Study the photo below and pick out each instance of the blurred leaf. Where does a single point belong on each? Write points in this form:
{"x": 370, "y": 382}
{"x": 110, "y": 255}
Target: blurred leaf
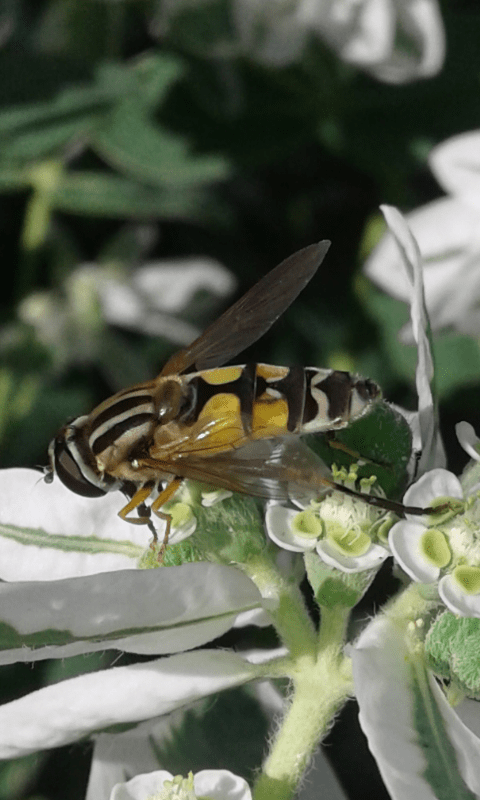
{"x": 131, "y": 142}
{"x": 107, "y": 195}
{"x": 203, "y": 29}
{"x": 13, "y": 178}
{"x": 229, "y": 734}
{"x": 35, "y": 130}
{"x": 457, "y": 362}
{"x": 129, "y": 244}
{"x": 42, "y": 141}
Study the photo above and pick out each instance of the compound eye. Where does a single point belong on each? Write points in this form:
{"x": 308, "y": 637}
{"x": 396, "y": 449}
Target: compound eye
{"x": 70, "y": 474}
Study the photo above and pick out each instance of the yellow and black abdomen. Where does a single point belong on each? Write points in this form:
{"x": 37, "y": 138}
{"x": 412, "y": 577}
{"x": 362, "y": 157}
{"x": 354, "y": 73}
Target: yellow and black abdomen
{"x": 233, "y": 405}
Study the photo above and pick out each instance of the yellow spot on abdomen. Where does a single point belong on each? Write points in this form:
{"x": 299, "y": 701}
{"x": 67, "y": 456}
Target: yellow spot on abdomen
{"x": 215, "y": 377}
{"x": 269, "y": 418}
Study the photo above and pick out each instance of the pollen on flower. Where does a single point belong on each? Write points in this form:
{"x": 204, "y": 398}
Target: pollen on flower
{"x": 462, "y": 541}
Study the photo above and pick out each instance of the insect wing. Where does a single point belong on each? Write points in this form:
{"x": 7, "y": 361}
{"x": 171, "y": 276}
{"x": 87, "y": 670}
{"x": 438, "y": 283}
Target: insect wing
{"x": 251, "y": 316}
{"x": 277, "y": 468}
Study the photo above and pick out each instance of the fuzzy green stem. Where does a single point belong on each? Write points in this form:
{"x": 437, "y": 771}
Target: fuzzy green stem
{"x": 320, "y": 686}
{"x": 290, "y": 616}
{"x": 409, "y": 605}
{"x": 319, "y": 690}
{"x": 333, "y": 627}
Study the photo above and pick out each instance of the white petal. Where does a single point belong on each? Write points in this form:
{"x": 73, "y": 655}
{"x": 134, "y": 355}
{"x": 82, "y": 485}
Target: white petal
{"x": 220, "y": 784}
{"x": 468, "y": 439}
{"x": 141, "y": 787}
{"x": 375, "y": 555}
{"x": 418, "y": 48}
{"x": 278, "y": 521}
{"x": 118, "y": 756}
{"x": 171, "y": 285}
{"x": 465, "y": 605}
{"x": 456, "y": 164}
{"x": 448, "y": 234}
{"x": 273, "y": 33}
{"x": 404, "y": 540}
{"x": 72, "y": 709}
{"x": 436, "y": 483}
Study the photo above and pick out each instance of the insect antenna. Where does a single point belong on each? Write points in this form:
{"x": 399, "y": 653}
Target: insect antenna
{"x": 390, "y": 505}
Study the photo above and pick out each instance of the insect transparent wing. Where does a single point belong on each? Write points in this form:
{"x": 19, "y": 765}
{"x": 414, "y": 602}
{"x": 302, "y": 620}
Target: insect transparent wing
{"x": 251, "y": 316}
{"x": 277, "y": 468}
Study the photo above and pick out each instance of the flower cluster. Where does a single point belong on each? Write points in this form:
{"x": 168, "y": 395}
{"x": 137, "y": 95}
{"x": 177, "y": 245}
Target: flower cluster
{"x": 347, "y": 534}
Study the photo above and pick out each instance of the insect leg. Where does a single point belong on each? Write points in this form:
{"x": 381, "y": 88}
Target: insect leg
{"x": 162, "y": 498}
{"x": 138, "y": 498}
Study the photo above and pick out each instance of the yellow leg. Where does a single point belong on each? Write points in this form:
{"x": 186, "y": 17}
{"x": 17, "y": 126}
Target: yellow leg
{"x": 162, "y": 498}
{"x": 138, "y": 497}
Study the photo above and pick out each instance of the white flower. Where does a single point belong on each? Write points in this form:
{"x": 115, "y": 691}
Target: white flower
{"x": 341, "y": 529}
{"x": 146, "y": 300}
{"x": 443, "y": 549}
{"x": 394, "y": 40}
{"x": 448, "y": 234}
{"x": 216, "y": 784}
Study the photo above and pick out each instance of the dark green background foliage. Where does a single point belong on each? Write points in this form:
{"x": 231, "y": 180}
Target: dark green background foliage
{"x": 108, "y": 123}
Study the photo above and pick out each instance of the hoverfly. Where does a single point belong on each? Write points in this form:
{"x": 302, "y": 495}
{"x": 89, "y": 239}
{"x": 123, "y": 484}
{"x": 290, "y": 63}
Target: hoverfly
{"x": 234, "y": 427}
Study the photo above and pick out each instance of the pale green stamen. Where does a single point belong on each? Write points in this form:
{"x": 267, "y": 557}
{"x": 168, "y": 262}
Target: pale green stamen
{"x": 179, "y": 788}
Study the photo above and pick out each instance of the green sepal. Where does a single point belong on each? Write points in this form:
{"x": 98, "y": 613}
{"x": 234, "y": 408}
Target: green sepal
{"x": 333, "y": 588}
{"x": 231, "y": 531}
{"x": 452, "y": 646}
{"x": 382, "y": 438}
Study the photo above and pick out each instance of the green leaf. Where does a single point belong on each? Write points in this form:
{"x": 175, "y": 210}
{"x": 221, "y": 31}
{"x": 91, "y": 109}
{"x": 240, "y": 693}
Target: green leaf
{"x": 131, "y": 142}
{"x": 452, "y": 647}
{"x": 13, "y": 179}
{"x": 106, "y": 195}
{"x": 383, "y": 438}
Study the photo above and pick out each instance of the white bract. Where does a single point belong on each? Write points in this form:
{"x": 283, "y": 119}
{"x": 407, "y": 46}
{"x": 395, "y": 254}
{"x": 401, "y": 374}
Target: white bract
{"x": 161, "y": 785}
{"x": 448, "y": 234}
{"x": 421, "y": 746}
{"x": 71, "y": 585}
{"x": 394, "y": 40}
